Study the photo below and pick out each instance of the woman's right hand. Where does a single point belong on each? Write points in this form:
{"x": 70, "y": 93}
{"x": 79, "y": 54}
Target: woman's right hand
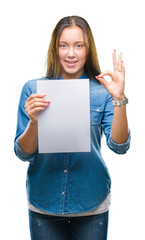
{"x": 34, "y": 104}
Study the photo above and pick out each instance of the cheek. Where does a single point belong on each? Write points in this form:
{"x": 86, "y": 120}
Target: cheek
{"x": 84, "y": 55}
{"x": 84, "y": 58}
{"x": 60, "y": 54}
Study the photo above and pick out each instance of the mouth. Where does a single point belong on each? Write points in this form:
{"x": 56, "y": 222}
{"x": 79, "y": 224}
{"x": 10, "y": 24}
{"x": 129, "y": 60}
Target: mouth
{"x": 71, "y": 63}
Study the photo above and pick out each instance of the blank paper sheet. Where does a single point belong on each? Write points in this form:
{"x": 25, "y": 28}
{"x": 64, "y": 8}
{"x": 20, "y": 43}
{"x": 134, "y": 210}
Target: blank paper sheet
{"x": 64, "y": 126}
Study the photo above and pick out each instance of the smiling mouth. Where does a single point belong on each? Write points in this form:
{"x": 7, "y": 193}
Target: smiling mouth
{"x": 71, "y": 63}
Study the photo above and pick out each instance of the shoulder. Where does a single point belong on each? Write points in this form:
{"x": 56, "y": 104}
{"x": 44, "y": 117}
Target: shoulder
{"x": 30, "y": 86}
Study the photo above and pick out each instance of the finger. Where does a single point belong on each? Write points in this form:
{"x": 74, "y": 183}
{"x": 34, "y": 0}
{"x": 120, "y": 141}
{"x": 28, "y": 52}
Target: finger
{"x": 105, "y": 73}
{"x": 102, "y": 81}
{"x": 120, "y": 58}
{"x": 33, "y": 100}
{"x": 38, "y": 95}
{"x": 36, "y": 104}
{"x": 41, "y": 100}
{"x": 115, "y": 64}
{"x": 120, "y": 63}
{"x": 36, "y": 110}
{"x": 123, "y": 69}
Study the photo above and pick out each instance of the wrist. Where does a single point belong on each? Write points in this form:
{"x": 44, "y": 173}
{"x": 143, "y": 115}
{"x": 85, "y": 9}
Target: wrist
{"x": 120, "y": 102}
{"x": 119, "y": 98}
{"x": 33, "y": 124}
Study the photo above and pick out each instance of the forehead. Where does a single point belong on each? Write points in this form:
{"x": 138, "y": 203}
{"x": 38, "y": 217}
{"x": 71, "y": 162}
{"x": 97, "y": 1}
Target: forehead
{"x": 73, "y": 33}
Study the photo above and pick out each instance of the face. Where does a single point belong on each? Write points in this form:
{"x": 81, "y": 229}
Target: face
{"x": 72, "y": 52}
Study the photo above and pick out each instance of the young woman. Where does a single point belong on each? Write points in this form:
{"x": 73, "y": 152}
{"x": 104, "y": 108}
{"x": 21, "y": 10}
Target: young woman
{"x": 69, "y": 193}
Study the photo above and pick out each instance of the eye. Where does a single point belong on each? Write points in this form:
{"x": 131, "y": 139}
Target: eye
{"x": 62, "y": 45}
{"x": 79, "y": 45}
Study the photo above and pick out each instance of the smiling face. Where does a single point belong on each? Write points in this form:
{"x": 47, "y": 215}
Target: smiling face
{"x": 72, "y": 52}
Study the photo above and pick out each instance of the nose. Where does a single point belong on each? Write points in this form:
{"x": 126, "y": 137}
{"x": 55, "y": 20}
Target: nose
{"x": 71, "y": 52}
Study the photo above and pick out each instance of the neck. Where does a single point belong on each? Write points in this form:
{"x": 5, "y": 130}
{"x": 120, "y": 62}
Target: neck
{"x": 72, "y": 76}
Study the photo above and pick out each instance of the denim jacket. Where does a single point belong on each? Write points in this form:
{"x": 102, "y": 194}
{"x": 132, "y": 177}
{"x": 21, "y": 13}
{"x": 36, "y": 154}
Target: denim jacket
{"x": 68, "y": 183}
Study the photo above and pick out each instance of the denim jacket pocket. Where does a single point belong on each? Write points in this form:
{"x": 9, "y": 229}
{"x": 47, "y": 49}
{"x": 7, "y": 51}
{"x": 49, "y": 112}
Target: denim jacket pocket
{"x": 96, "y": 114}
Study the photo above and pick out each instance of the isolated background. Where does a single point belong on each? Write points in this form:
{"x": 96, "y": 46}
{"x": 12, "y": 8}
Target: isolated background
{"x": 26, "y": 28}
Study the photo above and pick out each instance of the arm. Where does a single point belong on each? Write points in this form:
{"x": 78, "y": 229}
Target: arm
{"x": 28, "y": 139}
{"x": 119, "y": 129}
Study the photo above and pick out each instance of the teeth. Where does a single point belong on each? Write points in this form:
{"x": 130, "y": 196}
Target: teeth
{"x": 70, "y": 62}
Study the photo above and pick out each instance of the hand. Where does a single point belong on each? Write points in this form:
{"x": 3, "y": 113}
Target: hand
{"x": 116, "y": 86}
{"x": 34, "y": 104}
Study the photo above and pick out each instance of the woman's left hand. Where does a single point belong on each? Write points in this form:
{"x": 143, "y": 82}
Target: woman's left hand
{"x": 116, "y": 86}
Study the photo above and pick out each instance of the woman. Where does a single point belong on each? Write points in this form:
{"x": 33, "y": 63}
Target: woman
{"x": 69, "y": 193}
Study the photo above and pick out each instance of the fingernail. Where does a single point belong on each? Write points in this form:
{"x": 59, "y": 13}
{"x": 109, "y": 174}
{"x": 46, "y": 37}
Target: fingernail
{"x": 97, "y": 77}
{"x": 48, "y": 104}
{"x": 114, "y": 50}
{"x": 121, "y": 61}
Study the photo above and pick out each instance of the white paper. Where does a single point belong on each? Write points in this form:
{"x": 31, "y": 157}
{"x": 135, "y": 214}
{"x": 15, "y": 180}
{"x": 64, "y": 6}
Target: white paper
{"x": 64, "y": 126}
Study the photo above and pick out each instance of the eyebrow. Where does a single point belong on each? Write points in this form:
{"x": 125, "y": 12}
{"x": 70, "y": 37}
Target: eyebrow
{"x": 75, "y": 42}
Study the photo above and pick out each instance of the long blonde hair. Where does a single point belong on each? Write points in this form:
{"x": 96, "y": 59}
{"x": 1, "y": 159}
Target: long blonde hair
{"x": 92, "y": 67}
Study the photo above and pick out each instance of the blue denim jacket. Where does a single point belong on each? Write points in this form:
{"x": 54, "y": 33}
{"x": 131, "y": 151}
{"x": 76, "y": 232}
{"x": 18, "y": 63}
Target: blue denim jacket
{"x": 66, "y": 183}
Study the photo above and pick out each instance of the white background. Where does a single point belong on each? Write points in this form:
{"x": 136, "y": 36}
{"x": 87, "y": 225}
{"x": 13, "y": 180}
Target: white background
{"x": 26, "y": 28}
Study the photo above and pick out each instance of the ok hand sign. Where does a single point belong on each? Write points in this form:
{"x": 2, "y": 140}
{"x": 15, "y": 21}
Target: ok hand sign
{"x": 116, "y": 86}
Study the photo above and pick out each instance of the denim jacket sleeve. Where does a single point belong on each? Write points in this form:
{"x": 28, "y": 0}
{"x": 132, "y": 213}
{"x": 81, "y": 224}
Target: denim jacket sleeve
{"x": 22, "y": 122}
{"x": 107, "y": 124}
